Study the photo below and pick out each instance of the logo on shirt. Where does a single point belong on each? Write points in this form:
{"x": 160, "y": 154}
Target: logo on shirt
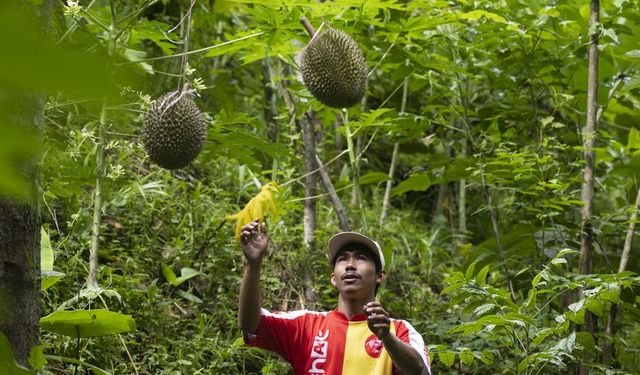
{"x": 319, "y": 352}
{"x": 373, "y": 346}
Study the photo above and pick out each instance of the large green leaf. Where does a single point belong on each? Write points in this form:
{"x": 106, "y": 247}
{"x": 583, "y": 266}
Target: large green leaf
{"x": 87, "y": 323}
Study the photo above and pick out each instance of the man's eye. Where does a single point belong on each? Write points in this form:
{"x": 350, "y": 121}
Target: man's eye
{"x": 342, "y": 259}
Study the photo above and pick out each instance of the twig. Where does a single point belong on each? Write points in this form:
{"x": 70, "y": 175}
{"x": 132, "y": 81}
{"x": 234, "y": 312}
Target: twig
{"x": 314, "y": 171}
{"x": 204, "y": 49}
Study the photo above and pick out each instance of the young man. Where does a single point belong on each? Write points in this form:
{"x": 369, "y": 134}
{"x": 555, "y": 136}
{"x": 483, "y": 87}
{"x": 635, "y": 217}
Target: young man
{"x": 358, "y": 338}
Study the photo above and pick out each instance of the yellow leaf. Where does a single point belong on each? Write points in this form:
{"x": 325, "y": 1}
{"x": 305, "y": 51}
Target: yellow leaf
{"x": 256, "y": 208}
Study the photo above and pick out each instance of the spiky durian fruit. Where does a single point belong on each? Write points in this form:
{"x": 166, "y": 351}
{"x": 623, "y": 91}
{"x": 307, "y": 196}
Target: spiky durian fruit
{"x": 173, "y": 131}
{"x": 334, "y": 70}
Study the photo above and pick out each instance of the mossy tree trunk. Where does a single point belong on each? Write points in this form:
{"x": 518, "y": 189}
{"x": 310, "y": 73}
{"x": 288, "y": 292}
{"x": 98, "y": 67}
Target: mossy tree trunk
{"x": 20, "y": 224}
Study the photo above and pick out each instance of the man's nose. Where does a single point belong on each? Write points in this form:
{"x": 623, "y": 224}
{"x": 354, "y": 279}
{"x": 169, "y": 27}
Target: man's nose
{"x": 351, "y": 264}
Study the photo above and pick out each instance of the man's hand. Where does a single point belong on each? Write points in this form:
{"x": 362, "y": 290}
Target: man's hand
{"x": 254, "y": 241}
{"x": 378, "y": 319}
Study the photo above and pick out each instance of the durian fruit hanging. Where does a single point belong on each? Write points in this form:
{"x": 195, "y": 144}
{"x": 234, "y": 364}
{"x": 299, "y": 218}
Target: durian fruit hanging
{"x": 174, "y": 130}
{"x": 334, "y": 69}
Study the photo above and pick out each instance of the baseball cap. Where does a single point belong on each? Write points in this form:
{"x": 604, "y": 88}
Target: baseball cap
{"x": 339, "y": 240}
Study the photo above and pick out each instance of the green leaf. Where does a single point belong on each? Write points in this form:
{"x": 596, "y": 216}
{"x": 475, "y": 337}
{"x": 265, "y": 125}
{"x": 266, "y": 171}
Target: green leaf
{"x": 466, "y": 357}
{"x": 168, "y": 274}
{"x": 186, "y": 273}
{"x": 487, "y": 357}
{"x": 475, "y": 15}
{"x": 633, "y": 54}
{"x": 417, "y": 182}
{"x": 373, "y": 178}
{"x": 36, "y": 358}
{"x": 469, "y": 274}
{"x": 634, "y": 139}
{"x": 482, "y": 275}
{"x": 447, "y": 358}
{"x": 87, "y": 323}
{"x": 189, "y": 296}
{"x": 8, "y": 365}
{"x": 49, "y": 278}
{"x": 46, "y": 253}
{"x": 576, "y": 306}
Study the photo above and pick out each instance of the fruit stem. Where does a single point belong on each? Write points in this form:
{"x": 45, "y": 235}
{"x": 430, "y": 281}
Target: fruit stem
{"x": 307, "y": 26}
{"x": 183, "y": 63}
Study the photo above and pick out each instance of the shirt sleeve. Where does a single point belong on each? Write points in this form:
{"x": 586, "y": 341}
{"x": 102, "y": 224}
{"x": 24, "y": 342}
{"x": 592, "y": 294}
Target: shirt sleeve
{"x": 406, "y": 333}
{"x": 278, "y": 332}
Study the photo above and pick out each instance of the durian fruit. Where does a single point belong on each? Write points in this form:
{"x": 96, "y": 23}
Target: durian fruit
{"x": 173, "y": 130}
{"x": 334, "y": 69}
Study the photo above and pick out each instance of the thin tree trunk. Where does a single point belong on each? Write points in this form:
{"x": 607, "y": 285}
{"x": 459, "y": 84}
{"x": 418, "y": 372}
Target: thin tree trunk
{"x": 589, "y": 137}
{"x": 607, "y": 350}
{"x": 387, "y": 190}
{"x": 462, "y": 199}
{"x": 309, "y": 220}
{"x": 92, "y": 279}
{"x": 394, "y": 156}
{"x": 335, "y": 199}
{"x": 495, "y": 222}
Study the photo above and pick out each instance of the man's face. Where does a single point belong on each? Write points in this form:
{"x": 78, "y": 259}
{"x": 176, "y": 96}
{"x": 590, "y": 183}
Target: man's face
{"x": 354, "y": 273}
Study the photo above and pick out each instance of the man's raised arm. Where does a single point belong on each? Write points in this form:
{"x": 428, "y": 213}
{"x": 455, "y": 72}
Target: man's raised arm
{"x": 253, "y": 241}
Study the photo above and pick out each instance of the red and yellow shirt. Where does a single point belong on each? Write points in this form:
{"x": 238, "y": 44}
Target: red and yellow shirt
{"x": 329, "y": 343}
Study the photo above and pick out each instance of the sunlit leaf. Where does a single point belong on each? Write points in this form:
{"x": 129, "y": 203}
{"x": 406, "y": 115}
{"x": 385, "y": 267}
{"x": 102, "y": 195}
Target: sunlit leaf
{"x": 46, "y": 253}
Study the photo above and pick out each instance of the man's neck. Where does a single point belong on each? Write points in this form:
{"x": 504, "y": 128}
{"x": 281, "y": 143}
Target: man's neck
{"x": 352, "y": 306}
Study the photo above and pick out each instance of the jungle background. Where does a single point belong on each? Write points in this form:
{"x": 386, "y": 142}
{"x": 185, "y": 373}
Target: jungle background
{"x": 466, "y": 160}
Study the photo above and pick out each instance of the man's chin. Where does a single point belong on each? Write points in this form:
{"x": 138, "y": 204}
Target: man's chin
{"x": 353, "y": 290}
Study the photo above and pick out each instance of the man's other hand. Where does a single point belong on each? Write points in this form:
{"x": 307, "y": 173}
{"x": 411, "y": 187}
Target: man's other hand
{"x": 254, "y": 240}
{"x": 378, "y": 319}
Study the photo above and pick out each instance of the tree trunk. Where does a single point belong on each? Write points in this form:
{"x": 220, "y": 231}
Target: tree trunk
{"x": 589, "y": 142}
{"x": 309, "y": 220}
{"x": 20, "y": 224}
{"x": 607, "y": 347}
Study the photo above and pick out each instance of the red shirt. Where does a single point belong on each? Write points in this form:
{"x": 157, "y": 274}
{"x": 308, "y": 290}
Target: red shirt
{"x": 329, "y": 343}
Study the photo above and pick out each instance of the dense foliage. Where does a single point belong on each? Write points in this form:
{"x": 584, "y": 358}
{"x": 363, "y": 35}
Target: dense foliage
{"x": 485, "y": 101}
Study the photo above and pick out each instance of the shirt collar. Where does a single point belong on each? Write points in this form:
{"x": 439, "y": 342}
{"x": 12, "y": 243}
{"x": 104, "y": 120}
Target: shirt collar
{"x": 339, "y": 315}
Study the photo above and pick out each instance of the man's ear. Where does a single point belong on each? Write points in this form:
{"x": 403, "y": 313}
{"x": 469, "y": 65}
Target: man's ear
{"x": 333, "y": 279}
{"x": 380, "y": 277}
